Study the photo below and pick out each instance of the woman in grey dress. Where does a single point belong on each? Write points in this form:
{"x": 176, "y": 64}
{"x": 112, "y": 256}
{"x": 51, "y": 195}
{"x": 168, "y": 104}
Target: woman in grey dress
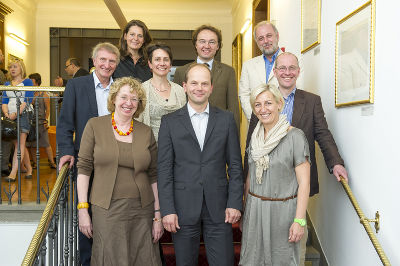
{"x": 163, "y": 96}
{"x": 277, "y": 186}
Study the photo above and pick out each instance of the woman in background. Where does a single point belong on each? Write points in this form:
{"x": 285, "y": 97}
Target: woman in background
{"x": 122, "y": 153}
{"x": 163, "y": 96}
{"x": 42, "y": 99}
{"x": 132, "y": 46}
{"x": 17, "y": 74}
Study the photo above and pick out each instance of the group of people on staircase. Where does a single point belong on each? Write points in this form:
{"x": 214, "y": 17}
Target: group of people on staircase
{"x": 154, "y": 155}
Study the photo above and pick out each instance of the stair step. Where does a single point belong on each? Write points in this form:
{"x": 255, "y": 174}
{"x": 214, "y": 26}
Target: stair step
{"x": 313, "y": 256}
{"x": 169, "y": 254}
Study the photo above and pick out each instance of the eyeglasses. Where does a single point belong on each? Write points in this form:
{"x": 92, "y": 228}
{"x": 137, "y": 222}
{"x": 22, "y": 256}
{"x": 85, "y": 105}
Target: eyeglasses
{"x": 284, "y": 68}
{"x": 67, "y": 66}
{"x": 210, "y": 42}
{"x": 125, "y": 99}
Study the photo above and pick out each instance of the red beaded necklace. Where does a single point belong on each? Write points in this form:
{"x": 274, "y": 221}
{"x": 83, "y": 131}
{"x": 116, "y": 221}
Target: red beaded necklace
{"x": 119, "y": 131}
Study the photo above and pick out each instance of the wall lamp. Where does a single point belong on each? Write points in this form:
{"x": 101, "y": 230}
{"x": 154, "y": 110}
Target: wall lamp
{"x": 18, "y": 39}
{"x": 246, "y": 25}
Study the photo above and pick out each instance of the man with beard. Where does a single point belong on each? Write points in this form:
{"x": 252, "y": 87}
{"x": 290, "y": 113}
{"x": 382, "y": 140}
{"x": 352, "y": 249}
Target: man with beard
{"x": 258, "y": 70}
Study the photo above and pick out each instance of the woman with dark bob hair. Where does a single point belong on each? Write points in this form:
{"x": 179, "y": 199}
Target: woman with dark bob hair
{"x": 122, "y": 154}
{"x": 132, "y": 46}
{"x": 163, "y": 96}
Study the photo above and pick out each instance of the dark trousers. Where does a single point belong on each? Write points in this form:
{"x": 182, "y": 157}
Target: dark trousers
{"x": 217, "y": 237}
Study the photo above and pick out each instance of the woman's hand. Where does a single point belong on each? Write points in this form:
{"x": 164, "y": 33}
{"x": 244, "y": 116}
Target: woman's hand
{"x": 296, "y": 232}
{"x": 157, "y": 231}
{"x": 85, "y": 223}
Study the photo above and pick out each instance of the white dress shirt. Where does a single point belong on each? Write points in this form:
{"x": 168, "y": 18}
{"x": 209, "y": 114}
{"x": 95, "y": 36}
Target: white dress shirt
{"x": 101, "y": 95}
{"x": 199, "y": 123}
{"x": 209, "y": 63}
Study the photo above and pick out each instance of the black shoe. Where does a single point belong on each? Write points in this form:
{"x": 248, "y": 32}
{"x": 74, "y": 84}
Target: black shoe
{"x": 5, "y": 172}
{"x": 28, "y": 177}
{"x": 9, "y": 179}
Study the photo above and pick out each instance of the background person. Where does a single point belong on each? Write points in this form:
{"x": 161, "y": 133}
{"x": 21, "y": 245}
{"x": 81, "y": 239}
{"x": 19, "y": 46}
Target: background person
{"x": 5, "y": 145}
{"x": 2, "y": 76}
{"x": 132, "y": 46}
{"x": 122, "y": 152}
{"x": 17, "y": 74}
{"x": 73, "y": 69}
{"x": 277, "y": 185}
{"x": 207, "y": 41}
{"x": 42, "y": 99}
{"x": 259, "y": 70}
{"x": 163, "y": 96}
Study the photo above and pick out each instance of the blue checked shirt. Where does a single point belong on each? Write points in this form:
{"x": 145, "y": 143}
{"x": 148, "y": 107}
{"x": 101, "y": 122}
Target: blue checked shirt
{"x": 288, "y": 109}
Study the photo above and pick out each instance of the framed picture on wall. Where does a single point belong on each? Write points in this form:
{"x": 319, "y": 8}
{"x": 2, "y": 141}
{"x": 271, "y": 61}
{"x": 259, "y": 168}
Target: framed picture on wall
{"x": 237, "y": 61}
{"x": 355, "y": 57}
{"x": 310, "y": 24}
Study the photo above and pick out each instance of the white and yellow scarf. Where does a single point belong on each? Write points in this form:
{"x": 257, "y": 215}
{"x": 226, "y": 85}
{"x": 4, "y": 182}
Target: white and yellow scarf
{"x": 261, "y": 147}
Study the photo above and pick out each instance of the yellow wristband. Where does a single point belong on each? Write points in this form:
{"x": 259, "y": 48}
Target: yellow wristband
{"x": 83, "y": 205}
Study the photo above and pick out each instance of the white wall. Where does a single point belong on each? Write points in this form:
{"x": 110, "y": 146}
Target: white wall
{"x": 168, "y": 15}
{"x": 15, "y": 239}
{"x": 368, "y": 144}
{"x": 22, "y": 23}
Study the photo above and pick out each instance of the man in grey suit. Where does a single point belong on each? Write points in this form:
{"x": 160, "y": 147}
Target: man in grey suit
{"x": 85, "y": 97}
{"x": 195, "y": 145}
{"x": 207, "y": 41}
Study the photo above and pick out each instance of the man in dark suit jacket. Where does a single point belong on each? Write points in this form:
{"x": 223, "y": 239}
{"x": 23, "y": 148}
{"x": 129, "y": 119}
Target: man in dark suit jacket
{"x": 195, "y": 145}
{"x": 207, "y": 40}
{"x": 85, "y": 97}
{"x": 73, "y": 69}
{"x": 304, "y": 111}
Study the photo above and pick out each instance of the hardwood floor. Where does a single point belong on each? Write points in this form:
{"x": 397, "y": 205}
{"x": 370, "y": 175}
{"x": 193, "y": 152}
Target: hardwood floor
{"x": 29, "y": 186}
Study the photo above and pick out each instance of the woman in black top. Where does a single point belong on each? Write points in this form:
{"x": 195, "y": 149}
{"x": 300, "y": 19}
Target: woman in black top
{"x": 134, "y": 39}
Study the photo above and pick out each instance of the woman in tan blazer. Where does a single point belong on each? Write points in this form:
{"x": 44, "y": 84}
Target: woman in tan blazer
{"x": 122, "y": 155}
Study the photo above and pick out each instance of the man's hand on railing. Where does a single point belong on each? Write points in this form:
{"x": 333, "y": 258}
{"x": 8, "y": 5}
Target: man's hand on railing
{"x": 64, "y": 159}
{"x": 85, "y": 223}
{"x": 339, "y": 170}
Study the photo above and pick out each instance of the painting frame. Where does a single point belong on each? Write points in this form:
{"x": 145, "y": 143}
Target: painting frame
{"x": 355, "y": 57}
{"x": 310, "y": 24}
{"x": 237, "y": 62}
